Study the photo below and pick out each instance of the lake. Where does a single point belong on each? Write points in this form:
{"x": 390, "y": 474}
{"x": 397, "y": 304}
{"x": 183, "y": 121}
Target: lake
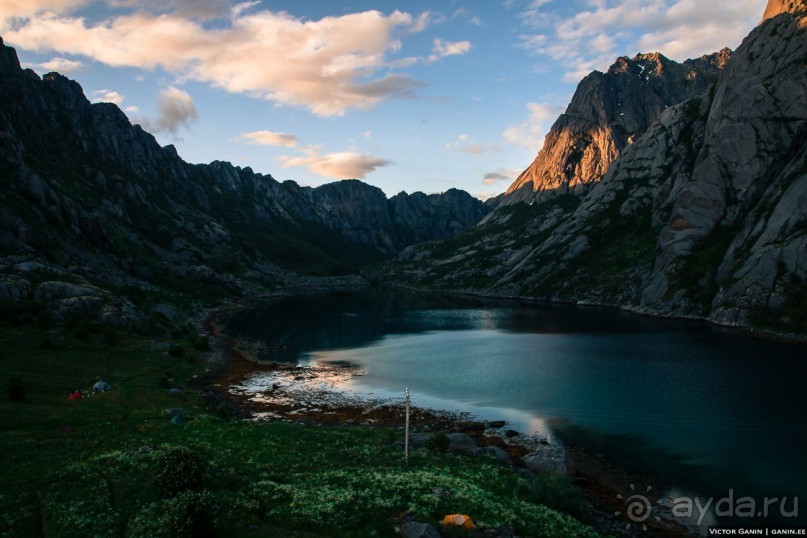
{"x": 695, "y": 407}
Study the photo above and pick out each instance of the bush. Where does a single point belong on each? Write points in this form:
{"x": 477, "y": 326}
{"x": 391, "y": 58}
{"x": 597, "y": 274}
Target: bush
{"x": 179, "y": 469}
{"x": 22, "y": 313}
{"x": 192, "y": 514}
{"x": 16, "y": 389}
{"x": 438, "y": 442}
{"x": 556, "y": 492}
{"x": 176, "y": 351}
{"x": 225, "y": 410}
{"x": 200, "y": 343}
{"x": 110, "y": 336}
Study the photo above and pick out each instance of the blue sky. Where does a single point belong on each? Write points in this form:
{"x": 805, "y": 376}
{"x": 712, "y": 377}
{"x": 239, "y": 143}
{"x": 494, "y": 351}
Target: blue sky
{"x": 406, "y": 95}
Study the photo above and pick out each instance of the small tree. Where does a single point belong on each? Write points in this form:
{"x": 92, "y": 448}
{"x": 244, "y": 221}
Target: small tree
{"x": 178, "y": 469}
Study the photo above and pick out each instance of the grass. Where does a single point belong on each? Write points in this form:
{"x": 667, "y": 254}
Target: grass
{"x": 105, "y": 465}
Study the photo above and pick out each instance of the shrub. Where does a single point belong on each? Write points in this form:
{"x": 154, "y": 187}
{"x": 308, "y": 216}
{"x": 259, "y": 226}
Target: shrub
{"x": 176, "y": 351}
{"x": 556, "y": 492}
{"x": 200, "y": 343}
{"x": 110, "y": 336}
{"x": 192, "y": 514}
{"x": 16, "y": 389}
{"x": 179, "y": 469}
{"x": 225, "y": 410}
{"x": 166, "y": 381}
{"x": 438, "y": 442}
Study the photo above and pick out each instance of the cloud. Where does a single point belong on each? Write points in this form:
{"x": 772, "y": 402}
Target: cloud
{"x": 424, "y": 20}
{"x": 340, "y": 165}
{"x": 336, "y": 165}
{"x": 107, "y": 96}
{"x": 176, "y": 110}
{"x": 60, "y": 65}
{"x": 499, "y": 176}
{"x": 194, "y": 9}
{"x": 442, "y": 49}
{"x": 269, "y": 138}
{"x": 329, "y": 66}
{"x": 530, "y": 133}
{"x": 470, "y": 18}
{"x": 592, "y": 38}
{"x": 15, "y": 11}
{"x": 464, "y": 144}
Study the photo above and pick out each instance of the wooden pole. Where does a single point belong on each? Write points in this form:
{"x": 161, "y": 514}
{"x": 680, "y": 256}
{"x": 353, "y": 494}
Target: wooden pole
{"x": 406, "y": 431}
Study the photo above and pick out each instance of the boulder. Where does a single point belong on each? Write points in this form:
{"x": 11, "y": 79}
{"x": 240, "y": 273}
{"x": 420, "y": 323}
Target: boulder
{"x": 56, "y": 289}
{"x": 14, "y": 290}
{"x": 493, "y": 452}
{"x": 413, "y": 529}
{"x": 471, "y": 426}
{"x": 460, "y": 442}
{"x": 546, "y": 458}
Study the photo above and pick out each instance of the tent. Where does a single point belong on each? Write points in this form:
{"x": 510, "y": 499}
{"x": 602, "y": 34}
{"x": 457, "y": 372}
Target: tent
{"x": 75, "y": 395}
{"x": 458, "y": 520}
{"x": 101, "y": 386}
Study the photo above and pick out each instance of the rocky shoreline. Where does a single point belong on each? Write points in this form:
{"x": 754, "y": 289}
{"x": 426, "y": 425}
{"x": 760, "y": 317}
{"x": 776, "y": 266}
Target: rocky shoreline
{"x": 767, "y": 334}
{"x": 310, "y": 395}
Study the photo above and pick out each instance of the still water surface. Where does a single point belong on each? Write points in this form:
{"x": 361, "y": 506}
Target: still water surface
{"x": 685, "y": 403}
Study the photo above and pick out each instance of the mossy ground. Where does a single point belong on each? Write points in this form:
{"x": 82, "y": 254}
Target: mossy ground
{"x": 90, "y": 467}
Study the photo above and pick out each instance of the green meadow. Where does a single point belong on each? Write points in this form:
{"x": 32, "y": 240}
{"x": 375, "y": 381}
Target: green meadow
{"x": 114, "y": 464}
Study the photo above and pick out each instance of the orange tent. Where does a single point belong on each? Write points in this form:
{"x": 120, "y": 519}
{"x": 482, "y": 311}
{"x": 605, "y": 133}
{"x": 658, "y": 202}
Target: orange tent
{"x": 458, "y": 520}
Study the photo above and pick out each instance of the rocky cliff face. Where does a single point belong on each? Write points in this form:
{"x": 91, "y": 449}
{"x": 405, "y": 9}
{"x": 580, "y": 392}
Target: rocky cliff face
{"x": 608, "y": 112}
{"x": 703, "y": 215}
{"x": 777, "y": 7}
{"x": 90, "y": 199}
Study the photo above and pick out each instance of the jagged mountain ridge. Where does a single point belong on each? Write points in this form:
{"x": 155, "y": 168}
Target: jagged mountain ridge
{"x": 607, "y": 113}
{"x": 88, "y": 194}
{"x": 704, "y": 215}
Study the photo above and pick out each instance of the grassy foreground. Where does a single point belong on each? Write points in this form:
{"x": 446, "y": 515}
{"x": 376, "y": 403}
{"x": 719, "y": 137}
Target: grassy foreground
{"x": 115, "y": 465}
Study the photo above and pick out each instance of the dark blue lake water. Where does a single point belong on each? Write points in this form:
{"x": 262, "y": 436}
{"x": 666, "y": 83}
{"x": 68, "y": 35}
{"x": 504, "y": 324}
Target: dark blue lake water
{"x": 691, "y": 405}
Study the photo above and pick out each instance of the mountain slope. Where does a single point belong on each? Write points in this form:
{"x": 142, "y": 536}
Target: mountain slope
{"x": 89, "y": 198}
{"x": 607, "y": 113}
{"x": 703, "y": 215}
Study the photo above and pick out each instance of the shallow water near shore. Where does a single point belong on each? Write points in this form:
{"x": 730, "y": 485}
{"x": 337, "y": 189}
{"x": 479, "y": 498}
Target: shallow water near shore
{"x": 692, "y": 407}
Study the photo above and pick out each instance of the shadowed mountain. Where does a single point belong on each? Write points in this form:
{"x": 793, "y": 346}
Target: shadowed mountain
{"x": 94, "y": 210}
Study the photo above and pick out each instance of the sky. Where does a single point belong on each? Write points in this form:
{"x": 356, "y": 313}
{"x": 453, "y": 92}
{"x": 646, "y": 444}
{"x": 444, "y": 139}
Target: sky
{"x": 405, "y": 95}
